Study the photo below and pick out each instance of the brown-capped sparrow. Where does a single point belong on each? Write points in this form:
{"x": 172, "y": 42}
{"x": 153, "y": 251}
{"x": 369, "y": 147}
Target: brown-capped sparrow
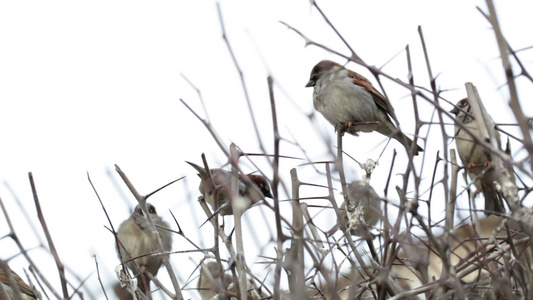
{"x": 475, "y": 157}
{"x": 210, "y": 283}
{"x": 8, "y": 280}
{"x": 222, "y": 181}
{"x": 135, "y": 239}
{"x": 364, "y": 208}
{"x": 347, "y": 99}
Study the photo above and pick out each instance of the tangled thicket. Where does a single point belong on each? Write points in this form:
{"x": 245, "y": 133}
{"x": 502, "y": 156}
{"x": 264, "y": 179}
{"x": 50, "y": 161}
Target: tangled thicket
{"x": 407, "y": 254}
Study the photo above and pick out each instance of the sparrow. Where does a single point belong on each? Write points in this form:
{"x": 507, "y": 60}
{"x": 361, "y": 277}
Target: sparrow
{"x": 8, "y": 280}
{"x": 222, "y": 180}
{"x": 210, "y": 283}
{"x": 476, "y": 158}
{"x": 349, "y": 101}
{"x": 364, "y": 208}
{"x": 136, "y": 240}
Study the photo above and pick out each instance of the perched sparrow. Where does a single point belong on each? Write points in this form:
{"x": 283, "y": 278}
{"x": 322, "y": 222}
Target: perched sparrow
{"x": 210, "y": 283}
{"x": 222, "y": 180}
{"x": 365, "y": 207}
{"x": 136, "y": 240}
{"x": 26, "y": 292}
{"x": 346, "y": 98}
{"x": 476, "y": 158}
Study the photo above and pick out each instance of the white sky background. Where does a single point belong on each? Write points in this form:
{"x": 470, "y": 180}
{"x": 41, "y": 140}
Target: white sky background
{"x": 86, "y": 85}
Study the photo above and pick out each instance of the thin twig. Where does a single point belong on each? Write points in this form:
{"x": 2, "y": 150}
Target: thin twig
{"x": 59, "y": 264}
{"x": 99, "y": 278}
{"x": 514, "y": 103}
{"x": 241, "y": 76}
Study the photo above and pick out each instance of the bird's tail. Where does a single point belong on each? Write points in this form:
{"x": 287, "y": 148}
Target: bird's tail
{"x": 200, "y": 170}
{"x": 407, "y": 142}
{"x": 493, "y": 204}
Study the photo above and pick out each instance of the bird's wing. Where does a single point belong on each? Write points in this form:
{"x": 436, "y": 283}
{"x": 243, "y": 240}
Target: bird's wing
{"x": 380, "y": 100}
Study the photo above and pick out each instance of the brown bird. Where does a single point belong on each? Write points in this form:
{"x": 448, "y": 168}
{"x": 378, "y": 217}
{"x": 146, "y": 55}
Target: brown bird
{"x": 476, "y": 158}
{"x": 346, "y": 98}
{"x": 9, "y": 279}
{"x": 136, "y": 240}
{"x": 222, "y": 180}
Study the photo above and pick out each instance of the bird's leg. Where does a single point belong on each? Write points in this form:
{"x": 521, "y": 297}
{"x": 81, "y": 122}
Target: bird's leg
{"x": 341, "y": 128}
{"x": 143, "y": 281}
{"x": 470, "y": 165}
{"x": 350, "y": 126}
{"x": 347, "y": 127}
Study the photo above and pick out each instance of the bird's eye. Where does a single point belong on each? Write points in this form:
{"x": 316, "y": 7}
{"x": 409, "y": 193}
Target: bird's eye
{"x": 151, "y": 209}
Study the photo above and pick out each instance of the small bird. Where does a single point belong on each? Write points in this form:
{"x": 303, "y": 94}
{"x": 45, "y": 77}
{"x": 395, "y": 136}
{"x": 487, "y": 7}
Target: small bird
{"x": 222, "y": 180}
{"x": 210, "y": 282}
{"x": 348, "y": 100}
{"x": 475, "y": 157}
{"x": 364, "y": 207}
{"x": 26, "y": 292}
{"x": 136, "y": 240}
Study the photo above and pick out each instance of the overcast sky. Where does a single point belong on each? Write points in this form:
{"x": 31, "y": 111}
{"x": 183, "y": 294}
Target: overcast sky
{"x": 86, "y": 85}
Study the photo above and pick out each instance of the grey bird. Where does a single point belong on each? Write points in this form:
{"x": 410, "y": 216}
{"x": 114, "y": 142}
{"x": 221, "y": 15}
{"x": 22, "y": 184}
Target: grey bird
{"x": 350, "y": 102}
{"x": 364, "y": 208}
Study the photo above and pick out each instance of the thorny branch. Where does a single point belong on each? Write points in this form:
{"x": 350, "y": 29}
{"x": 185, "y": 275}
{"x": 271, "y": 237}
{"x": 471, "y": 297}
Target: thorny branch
{"x": 414, "y": 250}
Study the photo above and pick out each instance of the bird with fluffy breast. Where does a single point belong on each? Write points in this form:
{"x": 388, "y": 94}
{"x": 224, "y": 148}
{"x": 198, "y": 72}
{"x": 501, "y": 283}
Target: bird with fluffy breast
{"x": 365, "y": 207}
{"x": 349, "y": 101}
{"x": 136, "y": 239}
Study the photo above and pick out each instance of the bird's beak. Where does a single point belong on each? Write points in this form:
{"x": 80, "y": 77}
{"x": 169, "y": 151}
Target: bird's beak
{"x": 310, "y": 83}
{"x": 454, "y": 111}
{"x": 268, "y": 194}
